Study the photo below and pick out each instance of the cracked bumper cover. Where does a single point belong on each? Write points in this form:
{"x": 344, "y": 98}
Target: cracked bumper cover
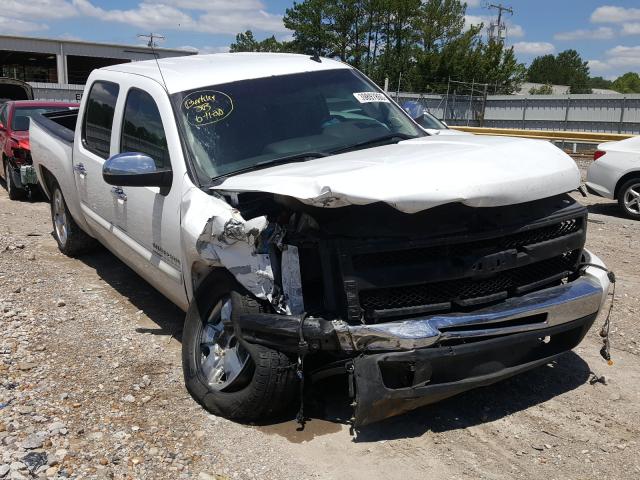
{"x": 450, "y": 353}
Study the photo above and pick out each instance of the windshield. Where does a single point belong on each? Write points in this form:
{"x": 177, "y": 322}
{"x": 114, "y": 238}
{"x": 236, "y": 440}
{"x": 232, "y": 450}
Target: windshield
{"x": 20, "y": 121}
{"x": 251, "y": 123}
{"x": 429, "y": 121}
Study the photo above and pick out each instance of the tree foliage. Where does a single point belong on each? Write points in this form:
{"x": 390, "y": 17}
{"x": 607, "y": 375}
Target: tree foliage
{"x": 545, "y": 89}
{"x": 627, "y": 83}
{"x": 566, "y": 68}
{"x": 245, "y": 42}
{"x": 419, "y": 43}
{"x": 599, "y": 82}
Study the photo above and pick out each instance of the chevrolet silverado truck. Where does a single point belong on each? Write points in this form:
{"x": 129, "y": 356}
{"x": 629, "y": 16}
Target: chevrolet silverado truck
{"x": 309, "y": 227}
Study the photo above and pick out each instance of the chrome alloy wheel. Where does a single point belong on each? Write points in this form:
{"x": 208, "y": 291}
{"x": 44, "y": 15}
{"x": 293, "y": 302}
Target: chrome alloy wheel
{"x": 632, "y": 199}
{"x": 60, "y": 220}
{"x": 223, "y": 360}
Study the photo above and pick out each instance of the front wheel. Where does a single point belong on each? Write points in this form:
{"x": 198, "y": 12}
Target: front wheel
{"x": 227, "y": 376}
{"x": 629, "y": 198}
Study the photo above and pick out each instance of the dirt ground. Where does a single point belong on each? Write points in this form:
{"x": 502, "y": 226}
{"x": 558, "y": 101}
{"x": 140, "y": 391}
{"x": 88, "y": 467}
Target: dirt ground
{"x": 91, "y": 387}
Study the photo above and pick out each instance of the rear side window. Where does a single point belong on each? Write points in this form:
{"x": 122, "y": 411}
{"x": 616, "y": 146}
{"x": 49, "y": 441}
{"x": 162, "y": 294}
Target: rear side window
{"x": 98, "y": 119}
{"x": 142, "y": 129}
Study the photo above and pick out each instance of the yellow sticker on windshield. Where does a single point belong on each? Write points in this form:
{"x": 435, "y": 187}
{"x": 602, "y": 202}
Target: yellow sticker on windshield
{"x": 205, "y": 107}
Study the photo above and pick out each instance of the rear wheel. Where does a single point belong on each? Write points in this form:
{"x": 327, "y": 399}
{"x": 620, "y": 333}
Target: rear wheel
{"x": 226, "y": 375}
{"x": 629, "y": 198}
{"x": 72, "y": 241}
{"x": 14, "y": 192}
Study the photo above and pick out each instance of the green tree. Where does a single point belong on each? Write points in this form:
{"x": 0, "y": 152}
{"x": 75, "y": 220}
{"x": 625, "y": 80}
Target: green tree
{"x": 599, "y": 82}
{"x": 245, "y": 42}
{"x": 419, "y": 43}
{"x": 566, "y": 68}
{"x": 627, "y": 83}
{"x": 545, "y": 89}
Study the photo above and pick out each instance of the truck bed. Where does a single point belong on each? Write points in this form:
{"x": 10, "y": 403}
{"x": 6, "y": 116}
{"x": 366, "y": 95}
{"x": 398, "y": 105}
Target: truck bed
{"x": 51, "y": 137}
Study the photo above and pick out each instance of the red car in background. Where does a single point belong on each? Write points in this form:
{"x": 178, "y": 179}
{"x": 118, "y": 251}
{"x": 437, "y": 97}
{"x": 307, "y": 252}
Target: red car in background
{"x": 16, "y": 170}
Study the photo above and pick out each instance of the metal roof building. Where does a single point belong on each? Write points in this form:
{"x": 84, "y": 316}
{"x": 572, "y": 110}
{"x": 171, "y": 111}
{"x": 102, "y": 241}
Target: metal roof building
{"x": 53, "y": 66}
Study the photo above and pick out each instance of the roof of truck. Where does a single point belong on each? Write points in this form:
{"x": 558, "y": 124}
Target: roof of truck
{"x": 187, "y": 73}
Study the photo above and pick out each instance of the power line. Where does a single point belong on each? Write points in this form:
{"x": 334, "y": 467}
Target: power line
{"x": 498, "y": 30}
{"x": 151, "y": 36}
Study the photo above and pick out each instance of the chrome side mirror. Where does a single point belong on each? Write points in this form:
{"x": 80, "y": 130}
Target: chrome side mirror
{"x": 133, "y": 169}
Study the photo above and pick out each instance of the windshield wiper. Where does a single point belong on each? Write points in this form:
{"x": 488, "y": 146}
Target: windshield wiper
{"x": 296, "y": 157}
{"x": 385, "y": 139}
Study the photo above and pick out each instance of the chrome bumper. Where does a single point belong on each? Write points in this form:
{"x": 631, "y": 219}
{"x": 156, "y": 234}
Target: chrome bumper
{"x": 545, "y": 308}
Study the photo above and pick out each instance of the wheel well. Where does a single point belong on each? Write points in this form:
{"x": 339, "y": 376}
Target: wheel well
{"x": 49, "y": 180}
{"x": 625, "y": 179}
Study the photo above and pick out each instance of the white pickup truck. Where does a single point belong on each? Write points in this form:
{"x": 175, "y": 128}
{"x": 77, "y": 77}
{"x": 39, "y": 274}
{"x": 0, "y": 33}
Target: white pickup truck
{"x": 310, "y": 228}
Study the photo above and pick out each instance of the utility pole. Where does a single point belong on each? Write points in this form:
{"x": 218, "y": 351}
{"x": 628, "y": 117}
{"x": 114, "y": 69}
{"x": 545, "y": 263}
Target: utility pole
{"x": 151, "y": 36}
{"x": 498, "y": 30}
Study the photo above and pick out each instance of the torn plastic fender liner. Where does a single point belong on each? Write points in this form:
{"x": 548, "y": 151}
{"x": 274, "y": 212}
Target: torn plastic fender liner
{"x": 230, "y": 241}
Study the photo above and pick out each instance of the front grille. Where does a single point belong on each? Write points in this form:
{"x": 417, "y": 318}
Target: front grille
{"x": 416, "y": 255}
{"x": 383, "y": 283}
{"x": 454, "y": 292}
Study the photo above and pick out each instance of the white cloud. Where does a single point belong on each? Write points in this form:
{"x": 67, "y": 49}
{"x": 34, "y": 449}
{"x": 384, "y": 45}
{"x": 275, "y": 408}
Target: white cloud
{"x": 619, "y": 58}
{"x": 596, "y": 66}
{"x": 600, "y": 33}
{"x": 513, "y": 30}
{"x": 631, "y": 28}
{"x": 613, "y": 14}
{"x": 217, "y": 16}
{"x": 13, "y": 26}
{"x": 534, "y": 48}
{"x": 38, "y": 9}
{"x": 472, "y": 3}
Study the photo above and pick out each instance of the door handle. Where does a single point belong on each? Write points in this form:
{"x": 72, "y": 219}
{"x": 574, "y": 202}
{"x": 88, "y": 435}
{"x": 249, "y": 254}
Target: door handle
{"x": 119, "y": 193}
{"x": 79, "y": 167}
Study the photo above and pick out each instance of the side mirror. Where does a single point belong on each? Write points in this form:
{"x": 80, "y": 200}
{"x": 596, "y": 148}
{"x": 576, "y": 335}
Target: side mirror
{"x": 133, "y": 169}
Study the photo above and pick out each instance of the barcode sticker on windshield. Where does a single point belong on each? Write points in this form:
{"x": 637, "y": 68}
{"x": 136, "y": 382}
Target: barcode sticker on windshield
{"x": 369, "y": 97}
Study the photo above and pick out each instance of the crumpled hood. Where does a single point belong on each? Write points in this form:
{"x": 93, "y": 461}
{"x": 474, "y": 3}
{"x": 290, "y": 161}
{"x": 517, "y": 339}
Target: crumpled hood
{"x": 415, "y": 175}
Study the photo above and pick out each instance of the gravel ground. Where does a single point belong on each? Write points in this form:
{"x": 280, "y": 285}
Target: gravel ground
{"x": 91, "y": 387}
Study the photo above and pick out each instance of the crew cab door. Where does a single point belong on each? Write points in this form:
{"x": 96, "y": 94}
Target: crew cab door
{"x": 149, "y": 217}
{"x": 139, "y": 224}
{"x": 92, "y": 146}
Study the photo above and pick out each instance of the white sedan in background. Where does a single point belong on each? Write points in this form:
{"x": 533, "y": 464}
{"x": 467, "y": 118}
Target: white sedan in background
{"x": 615, "y": 174}
{"x": 428, "y": 122}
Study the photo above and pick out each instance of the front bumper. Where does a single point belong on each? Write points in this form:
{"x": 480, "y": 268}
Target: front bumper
{"x": 398, "y": 366}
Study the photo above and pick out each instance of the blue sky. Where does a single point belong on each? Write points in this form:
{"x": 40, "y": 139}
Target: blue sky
{"x": 607, "y": 33}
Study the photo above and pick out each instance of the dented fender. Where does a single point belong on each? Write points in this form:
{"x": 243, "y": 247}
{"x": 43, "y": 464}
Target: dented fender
{"x": 216, "y": 235}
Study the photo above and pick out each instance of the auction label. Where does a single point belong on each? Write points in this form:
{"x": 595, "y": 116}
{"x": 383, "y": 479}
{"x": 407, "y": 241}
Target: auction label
{"x": 205, "y": 107}
{"x": 369, "y": 97}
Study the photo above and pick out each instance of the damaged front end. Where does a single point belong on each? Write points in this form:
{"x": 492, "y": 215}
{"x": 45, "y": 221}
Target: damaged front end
{"x": 413, "y": 308}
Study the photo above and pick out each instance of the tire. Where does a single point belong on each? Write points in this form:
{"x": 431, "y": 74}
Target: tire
{"x": 629, "y": 198}
{"x": 72, "y": 241}
{"x": 267, "y": 383}
{"x": 14, "y": 192}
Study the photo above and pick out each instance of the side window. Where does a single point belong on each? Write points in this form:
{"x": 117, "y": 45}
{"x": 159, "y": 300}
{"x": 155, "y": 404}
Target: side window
{"x": 142, "y": 129}
{"x": 98, "y": 119}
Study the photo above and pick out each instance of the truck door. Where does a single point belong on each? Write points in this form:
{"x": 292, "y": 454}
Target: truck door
{"x": 91, "y": 150}
{"x": 147, "y": 217}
